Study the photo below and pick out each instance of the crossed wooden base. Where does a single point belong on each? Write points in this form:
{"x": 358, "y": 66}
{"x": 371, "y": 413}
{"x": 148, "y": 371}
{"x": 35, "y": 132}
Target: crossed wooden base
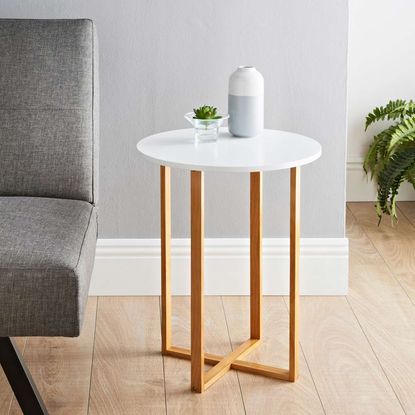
{"x": 201, "y": 380}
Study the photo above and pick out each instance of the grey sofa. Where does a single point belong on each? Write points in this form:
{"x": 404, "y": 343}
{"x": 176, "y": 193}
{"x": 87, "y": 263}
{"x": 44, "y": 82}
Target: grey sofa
{"x": 48, "y": 184}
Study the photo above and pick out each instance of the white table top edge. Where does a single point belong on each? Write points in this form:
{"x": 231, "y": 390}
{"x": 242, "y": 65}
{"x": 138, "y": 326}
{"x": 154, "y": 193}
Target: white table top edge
{"x": 263, "y": 142}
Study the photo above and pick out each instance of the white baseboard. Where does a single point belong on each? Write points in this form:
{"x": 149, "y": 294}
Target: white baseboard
{"x": 132, "y": 267}
{"x": 360, "y": 189}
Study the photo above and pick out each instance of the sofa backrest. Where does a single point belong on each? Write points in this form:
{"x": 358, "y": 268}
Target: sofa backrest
{"x": 48, "y": 109}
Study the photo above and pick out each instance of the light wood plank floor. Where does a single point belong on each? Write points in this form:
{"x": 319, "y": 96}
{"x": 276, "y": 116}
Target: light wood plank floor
{"x": 357, "y": 352}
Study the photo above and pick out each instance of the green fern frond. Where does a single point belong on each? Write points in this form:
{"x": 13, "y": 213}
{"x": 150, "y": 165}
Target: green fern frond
{"x": 410, "y": 176}
{"x": 390, "y": 158}
{"x": 371, "y": 159}
{"x": 378, "y": 150}
{"x": 392, "y": 111}
{"x": 403, "y": 133}
{"x": 392, "y": 176}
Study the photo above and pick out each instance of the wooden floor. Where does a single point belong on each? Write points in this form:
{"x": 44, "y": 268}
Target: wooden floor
{"x": 357, "y": 352}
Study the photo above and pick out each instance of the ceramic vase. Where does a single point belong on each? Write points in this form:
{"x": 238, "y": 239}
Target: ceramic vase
{"x": 246, "y": 102}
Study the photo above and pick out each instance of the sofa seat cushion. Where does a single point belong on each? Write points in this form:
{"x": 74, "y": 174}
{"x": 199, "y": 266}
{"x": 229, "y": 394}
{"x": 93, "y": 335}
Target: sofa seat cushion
{"x": 47, "y": 250}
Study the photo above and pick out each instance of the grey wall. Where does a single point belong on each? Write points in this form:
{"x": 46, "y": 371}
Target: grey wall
{"x": 159, "y": 59}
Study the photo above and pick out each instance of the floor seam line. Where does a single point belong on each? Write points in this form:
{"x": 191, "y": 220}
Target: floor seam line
{"x": 403, "y": 213}
{"x": 93, "y": 354}
{"x": 383, "y": 259}
{"x": 308, "y": 366}
{"x": 376, "y": 356}
{"x": 230, "y": 343}
{"x": 163, "y": 363}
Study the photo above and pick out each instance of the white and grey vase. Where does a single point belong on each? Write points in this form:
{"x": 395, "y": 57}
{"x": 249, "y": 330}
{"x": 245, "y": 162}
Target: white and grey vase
{"x": 246, "y": 102}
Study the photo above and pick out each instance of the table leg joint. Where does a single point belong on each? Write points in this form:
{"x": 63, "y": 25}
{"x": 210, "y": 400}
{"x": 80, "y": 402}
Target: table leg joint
{"x": 222, "y": 364}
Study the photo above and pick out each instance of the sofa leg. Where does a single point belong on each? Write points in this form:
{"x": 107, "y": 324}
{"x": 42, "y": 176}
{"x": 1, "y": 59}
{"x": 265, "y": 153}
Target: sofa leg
{"x": 20, "y": 379}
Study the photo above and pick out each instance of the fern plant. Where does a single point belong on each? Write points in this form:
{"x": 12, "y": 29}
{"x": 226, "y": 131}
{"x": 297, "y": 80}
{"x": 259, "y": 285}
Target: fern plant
{"x": 390, "y": 159}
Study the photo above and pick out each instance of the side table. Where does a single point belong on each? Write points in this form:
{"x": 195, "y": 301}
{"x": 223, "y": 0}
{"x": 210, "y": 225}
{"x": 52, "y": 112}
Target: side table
{"x": 272, "y": 150}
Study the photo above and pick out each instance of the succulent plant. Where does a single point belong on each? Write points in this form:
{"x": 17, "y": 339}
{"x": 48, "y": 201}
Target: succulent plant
{"x": 206, "y": 112}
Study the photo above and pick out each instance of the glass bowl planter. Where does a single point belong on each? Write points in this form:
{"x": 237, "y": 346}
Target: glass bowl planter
{"x": 206, "y": 129}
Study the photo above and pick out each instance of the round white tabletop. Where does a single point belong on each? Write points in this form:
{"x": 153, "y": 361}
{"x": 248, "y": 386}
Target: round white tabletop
{"x": 271, "y": 150}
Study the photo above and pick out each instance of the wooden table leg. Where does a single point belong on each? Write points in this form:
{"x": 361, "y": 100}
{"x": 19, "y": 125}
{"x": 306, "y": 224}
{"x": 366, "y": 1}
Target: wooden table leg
{"x": 197, "y": 270}
{"x": 200, "y": 380}
{"x": 294, "y": 268}
{"x": 165, "y": 221}
{"x": 256, "y": 253}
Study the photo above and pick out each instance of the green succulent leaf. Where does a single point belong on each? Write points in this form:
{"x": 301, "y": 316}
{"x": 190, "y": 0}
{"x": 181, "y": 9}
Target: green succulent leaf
{"x": 206, "y": 112}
